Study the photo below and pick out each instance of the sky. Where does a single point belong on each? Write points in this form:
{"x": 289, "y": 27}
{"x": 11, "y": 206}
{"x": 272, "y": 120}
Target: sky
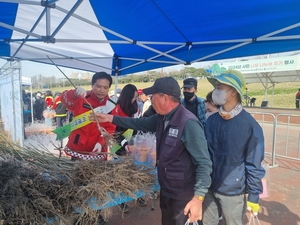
{"x": 30, "y": 69}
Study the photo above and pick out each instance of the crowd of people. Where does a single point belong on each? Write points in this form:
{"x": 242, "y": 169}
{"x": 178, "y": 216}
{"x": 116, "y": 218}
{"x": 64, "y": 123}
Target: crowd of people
{"x": 38, "y": 102}
{"x": 209, "y": 150}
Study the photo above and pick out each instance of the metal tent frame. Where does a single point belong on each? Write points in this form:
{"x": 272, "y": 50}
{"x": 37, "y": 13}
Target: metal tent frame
{"x": 55, "y": 31}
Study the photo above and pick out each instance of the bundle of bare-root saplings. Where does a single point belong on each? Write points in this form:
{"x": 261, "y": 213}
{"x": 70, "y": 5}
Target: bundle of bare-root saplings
{"x": 36, "y": 187}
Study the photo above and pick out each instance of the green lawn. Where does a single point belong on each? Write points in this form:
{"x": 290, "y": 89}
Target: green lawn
{"x": 284, "y": 93}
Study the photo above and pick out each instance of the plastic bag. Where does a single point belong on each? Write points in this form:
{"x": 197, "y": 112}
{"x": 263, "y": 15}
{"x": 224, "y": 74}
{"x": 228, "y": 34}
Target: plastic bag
{"x": 254, "y": 220}
{"x": 265, "y": 181}
{"x": 151, "y": 148}
{"x": 188, "y": 222}
{"x": 144, "y": 147}
{"x": 49, "y": 113}
{"x": 131, "y": 146}
{"x": 140, "y": 145}
{"x": 151, "y": 145}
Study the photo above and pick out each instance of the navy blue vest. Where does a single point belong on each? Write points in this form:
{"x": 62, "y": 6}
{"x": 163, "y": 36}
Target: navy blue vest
{"x": 176, "y": 171}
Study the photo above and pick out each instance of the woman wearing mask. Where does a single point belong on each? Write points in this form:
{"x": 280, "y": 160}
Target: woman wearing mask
{"x": 127, "y": 107}
{"x": 210, "y": 106}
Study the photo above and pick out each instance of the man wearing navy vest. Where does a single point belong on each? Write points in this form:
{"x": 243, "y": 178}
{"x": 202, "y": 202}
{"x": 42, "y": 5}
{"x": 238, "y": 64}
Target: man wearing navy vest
{"x": 183, "y": 162}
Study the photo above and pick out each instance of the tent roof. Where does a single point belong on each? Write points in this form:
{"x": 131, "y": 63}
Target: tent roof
{"x": 123, "y": 37}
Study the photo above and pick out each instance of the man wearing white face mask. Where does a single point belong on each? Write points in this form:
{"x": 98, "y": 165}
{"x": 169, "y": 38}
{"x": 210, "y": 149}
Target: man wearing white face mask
{"x": 236, "y": 145}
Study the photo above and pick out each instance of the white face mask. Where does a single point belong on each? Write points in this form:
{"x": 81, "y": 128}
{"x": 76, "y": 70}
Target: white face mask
{"x": 219, "y": 96}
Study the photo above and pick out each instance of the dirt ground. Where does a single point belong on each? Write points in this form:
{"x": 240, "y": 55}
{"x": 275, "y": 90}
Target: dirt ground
{"x": 281, "y": 208}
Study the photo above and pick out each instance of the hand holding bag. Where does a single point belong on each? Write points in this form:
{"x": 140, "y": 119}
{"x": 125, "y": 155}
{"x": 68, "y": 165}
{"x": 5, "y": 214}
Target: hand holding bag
{"x": 188, "y": 222}
{"x": 253, "y": 220}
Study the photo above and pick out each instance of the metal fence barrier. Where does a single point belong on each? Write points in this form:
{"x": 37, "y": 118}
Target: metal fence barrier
{"x": 267, "y": 122}
{"x": 287, "y": 124}
{"x": 282, "y": 135}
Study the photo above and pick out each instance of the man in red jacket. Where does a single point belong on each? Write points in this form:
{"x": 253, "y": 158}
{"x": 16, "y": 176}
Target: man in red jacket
{"x": 86, "y": 141}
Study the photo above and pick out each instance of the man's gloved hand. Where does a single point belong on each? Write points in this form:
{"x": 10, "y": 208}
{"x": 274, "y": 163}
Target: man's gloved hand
{"x": 80, "y": 92}
{"x": 253, "y": 207}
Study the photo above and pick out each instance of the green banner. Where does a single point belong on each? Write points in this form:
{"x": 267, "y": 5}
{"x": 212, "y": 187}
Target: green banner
{"x": 81, "y": 121}
{"x": 115, "y": 147}
{"x": 62, "y": 132}
{"x": 127, "y": 135}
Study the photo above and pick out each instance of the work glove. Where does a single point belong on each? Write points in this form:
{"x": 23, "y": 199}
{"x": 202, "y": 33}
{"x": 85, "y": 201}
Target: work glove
{"x": 127, "y": 150}
{"x": 80, "y": 92}
{"x": 125, "y": 145}
{"x": 253, "y": 207}
{"x": 97, "y": 149}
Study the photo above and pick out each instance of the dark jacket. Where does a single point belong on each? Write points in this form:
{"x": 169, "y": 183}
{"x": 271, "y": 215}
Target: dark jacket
{"x": 149, "y": 112}
{"x": 200, "y": 108}
{"x": 176, "y": 171}
{"x": 192, "y": 137}
{"x": 237, "y": 150}
{"x": 59, "y": 107}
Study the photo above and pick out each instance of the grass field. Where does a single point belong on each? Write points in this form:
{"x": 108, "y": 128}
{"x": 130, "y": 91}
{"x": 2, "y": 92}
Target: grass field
{"x": 284, "y": 93}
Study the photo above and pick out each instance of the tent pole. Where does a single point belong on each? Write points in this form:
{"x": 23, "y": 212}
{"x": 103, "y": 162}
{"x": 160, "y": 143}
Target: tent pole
{"x": 31, "y": 103}
{"x": 116, "y": 87}
{"x": 272, "y": 94}
{"x": 13, "y": 99}
{"x": 266, "y": 90}
{"x": 116, "y": 77}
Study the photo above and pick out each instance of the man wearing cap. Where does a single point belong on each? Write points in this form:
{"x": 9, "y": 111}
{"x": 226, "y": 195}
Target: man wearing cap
{"x": 140, "y": 102}
{"x": 183, "y": 162}
{"x": 145, "y": 99}
{"x": 190, "y": 101}
{"x": 236, "y": 145}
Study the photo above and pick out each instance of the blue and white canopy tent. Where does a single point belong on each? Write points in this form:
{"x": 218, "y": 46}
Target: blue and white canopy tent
{"x": 123, "y": 37}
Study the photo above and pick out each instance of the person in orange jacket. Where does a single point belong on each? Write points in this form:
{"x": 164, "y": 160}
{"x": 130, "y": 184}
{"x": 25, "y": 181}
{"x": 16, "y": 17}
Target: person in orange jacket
{"x": 61, "y": 111}
{"x": 49, "y": 99}
{"x": 88, "y": 142}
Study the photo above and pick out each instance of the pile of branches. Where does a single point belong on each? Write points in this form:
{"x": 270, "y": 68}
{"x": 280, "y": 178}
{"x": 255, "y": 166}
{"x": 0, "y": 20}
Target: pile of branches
{"x": 39, "y": 188}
